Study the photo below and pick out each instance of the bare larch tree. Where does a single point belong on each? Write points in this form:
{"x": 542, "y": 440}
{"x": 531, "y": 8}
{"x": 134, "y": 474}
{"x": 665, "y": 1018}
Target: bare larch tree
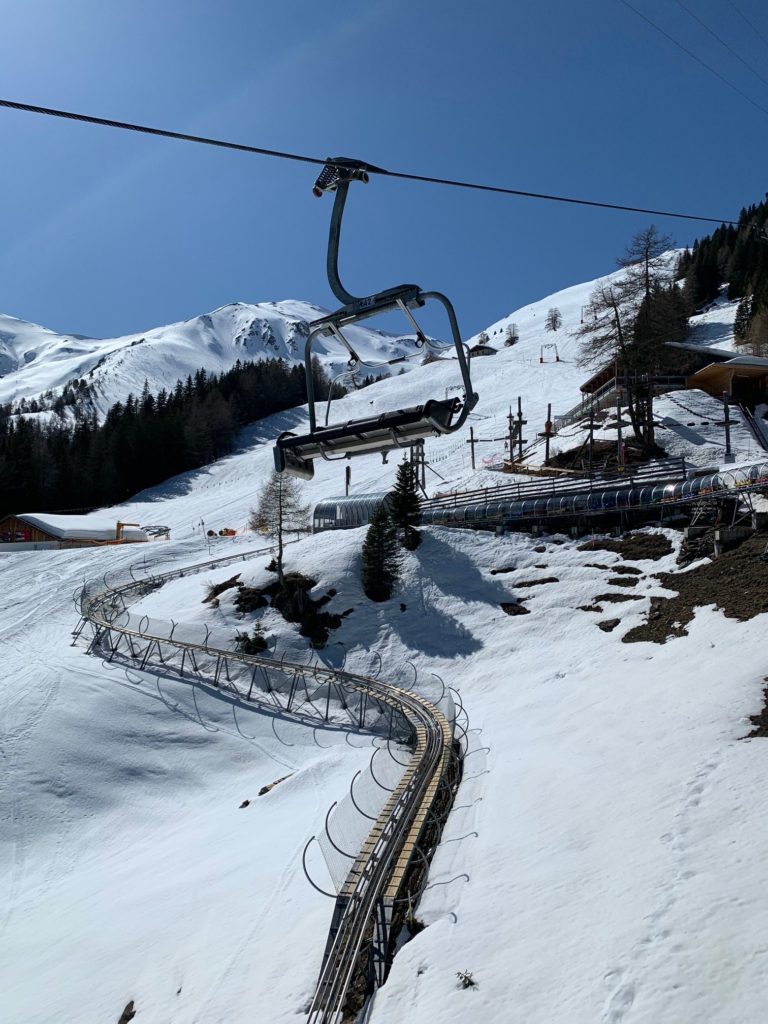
{"x": 279, "y": 509}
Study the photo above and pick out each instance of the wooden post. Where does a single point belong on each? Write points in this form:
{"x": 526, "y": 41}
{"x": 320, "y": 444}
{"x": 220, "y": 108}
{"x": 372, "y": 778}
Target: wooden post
{"x": 347, "y": 479}
{"x": 520, "y": 422}
{"x": 548, "y": 433}
{"x": 619, "y": 435}
{"x": 727, "y": 425}
{"x": 471, "y": 444}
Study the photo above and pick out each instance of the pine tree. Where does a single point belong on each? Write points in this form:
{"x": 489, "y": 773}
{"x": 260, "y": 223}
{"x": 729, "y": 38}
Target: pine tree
{"x": 631, "y": 319}
{"x": 279, "y": 510}
{"x": 554, "y": 319}
{"x": 742, "y": 318}
{"x": 405, "y": 506}
{"x": 380, "y": 569}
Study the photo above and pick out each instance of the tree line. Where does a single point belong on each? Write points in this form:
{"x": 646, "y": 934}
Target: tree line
{"x": 736, "y": 257}
{"x": 49, "y": 463}
{"x": 631, "y": 319}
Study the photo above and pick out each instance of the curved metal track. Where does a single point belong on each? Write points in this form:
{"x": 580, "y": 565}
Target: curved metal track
{"x": 368, "y": 898}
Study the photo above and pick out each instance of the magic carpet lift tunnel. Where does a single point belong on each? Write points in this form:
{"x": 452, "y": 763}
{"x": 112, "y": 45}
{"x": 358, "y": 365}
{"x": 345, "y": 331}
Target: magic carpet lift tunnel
{"x": 295, "y": 454}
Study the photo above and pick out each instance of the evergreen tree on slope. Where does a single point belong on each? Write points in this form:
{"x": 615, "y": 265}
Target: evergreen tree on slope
{"x": 380, "y": 562}
{"x": 405, "y": 506}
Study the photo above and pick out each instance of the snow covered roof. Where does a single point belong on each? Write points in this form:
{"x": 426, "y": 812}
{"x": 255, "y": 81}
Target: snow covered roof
{"x": 704, "y": 350}
{"x": 759, "y": 361}
{"x": 66, "y": 527}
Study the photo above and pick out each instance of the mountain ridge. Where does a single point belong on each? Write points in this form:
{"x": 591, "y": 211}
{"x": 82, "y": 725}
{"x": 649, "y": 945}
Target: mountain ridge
{"x": 36, "y": 363}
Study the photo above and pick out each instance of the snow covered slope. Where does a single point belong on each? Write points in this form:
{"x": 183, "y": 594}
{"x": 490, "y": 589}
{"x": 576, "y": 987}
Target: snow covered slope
{"x": 611, "y": 833}
{"x": 605, "y": 853}
{"x": 34, "y": 360}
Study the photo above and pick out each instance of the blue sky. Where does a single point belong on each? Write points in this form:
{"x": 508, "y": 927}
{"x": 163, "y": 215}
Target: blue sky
{"x": 105, "y": 233}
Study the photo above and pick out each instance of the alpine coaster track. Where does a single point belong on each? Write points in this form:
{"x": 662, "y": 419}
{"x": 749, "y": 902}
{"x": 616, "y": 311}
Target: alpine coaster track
{"x": 366, "y": 905}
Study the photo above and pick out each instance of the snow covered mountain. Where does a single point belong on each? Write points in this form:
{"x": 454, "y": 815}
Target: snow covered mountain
{"x": 35, "y": 360}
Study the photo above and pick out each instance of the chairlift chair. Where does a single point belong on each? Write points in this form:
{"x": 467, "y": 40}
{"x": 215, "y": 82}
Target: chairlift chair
{"x": 400, "y": 428}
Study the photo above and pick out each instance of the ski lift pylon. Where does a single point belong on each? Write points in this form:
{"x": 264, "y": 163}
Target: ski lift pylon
{"x": 549, "y": 348}
{"x": 295, "y": 454}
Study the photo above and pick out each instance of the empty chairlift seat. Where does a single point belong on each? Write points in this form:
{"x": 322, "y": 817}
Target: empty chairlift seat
{"x": 400, "y": 428}
{"x": 397, "y": 429}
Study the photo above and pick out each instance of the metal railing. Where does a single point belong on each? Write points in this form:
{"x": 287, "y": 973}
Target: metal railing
{"x": 307, "y": 693}
{"x": 605, "y": 396}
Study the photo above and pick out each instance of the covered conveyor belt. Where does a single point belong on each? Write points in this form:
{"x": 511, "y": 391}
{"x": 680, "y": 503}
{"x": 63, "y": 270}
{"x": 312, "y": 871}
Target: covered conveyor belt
{"x": 599, "y": 498}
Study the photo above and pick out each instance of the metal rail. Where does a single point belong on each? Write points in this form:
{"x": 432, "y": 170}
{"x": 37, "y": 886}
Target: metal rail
{"x": 370, "y": 893}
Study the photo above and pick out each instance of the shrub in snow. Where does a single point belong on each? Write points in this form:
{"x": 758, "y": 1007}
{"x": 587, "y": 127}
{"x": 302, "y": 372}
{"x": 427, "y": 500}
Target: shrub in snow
{"x": 252, "y": 643}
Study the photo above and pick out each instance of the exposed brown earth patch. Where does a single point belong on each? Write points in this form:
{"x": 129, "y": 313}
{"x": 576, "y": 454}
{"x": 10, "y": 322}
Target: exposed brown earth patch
{"x": 291, "y": 598}
{"x": 615, "y": 598}
{"x": 735, "y": 583}
{"x": 537, "y": 583}
{"x": 506, "y": 568}
{"x": 214, "y": 589}
{"x": 621, "y": 581}
{"x": 691, "y": 550}
{"x": 760, "y": 722}
{"x": 514, "y": 608}
{"x": 632, "y": 547}
{"x": 266, "y": 789}
{"x": 128, "y": 1014}
{"x": 590, "y": 608}
{"x": 608, "y": 625}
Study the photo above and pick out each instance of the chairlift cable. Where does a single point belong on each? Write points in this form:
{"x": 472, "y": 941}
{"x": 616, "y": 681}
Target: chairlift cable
{"x": 698, "y": 60}
{"x": 751, "y": 24}
{"x": 402, "y": 175}
{"x": 722, "y": 42}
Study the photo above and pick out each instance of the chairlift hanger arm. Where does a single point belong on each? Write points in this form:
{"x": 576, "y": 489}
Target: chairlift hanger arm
{"x": 336, "y": 177}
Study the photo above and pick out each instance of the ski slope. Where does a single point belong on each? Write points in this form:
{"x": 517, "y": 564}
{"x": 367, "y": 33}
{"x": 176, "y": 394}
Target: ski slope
{"x": 610, "y": 832}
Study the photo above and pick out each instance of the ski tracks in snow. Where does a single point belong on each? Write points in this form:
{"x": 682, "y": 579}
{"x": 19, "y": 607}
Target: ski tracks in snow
{"x": 243, "y": 947}
{"x": 659, "y": 942}
{"x": 11, "y": 742}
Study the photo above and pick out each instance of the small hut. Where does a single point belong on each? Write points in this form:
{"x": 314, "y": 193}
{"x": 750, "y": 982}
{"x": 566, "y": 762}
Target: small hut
{"x": 481, "y": 350}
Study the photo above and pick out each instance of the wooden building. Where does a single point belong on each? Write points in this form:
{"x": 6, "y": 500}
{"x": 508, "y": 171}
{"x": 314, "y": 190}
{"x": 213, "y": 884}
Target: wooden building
{"x": 29, "y": 529}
